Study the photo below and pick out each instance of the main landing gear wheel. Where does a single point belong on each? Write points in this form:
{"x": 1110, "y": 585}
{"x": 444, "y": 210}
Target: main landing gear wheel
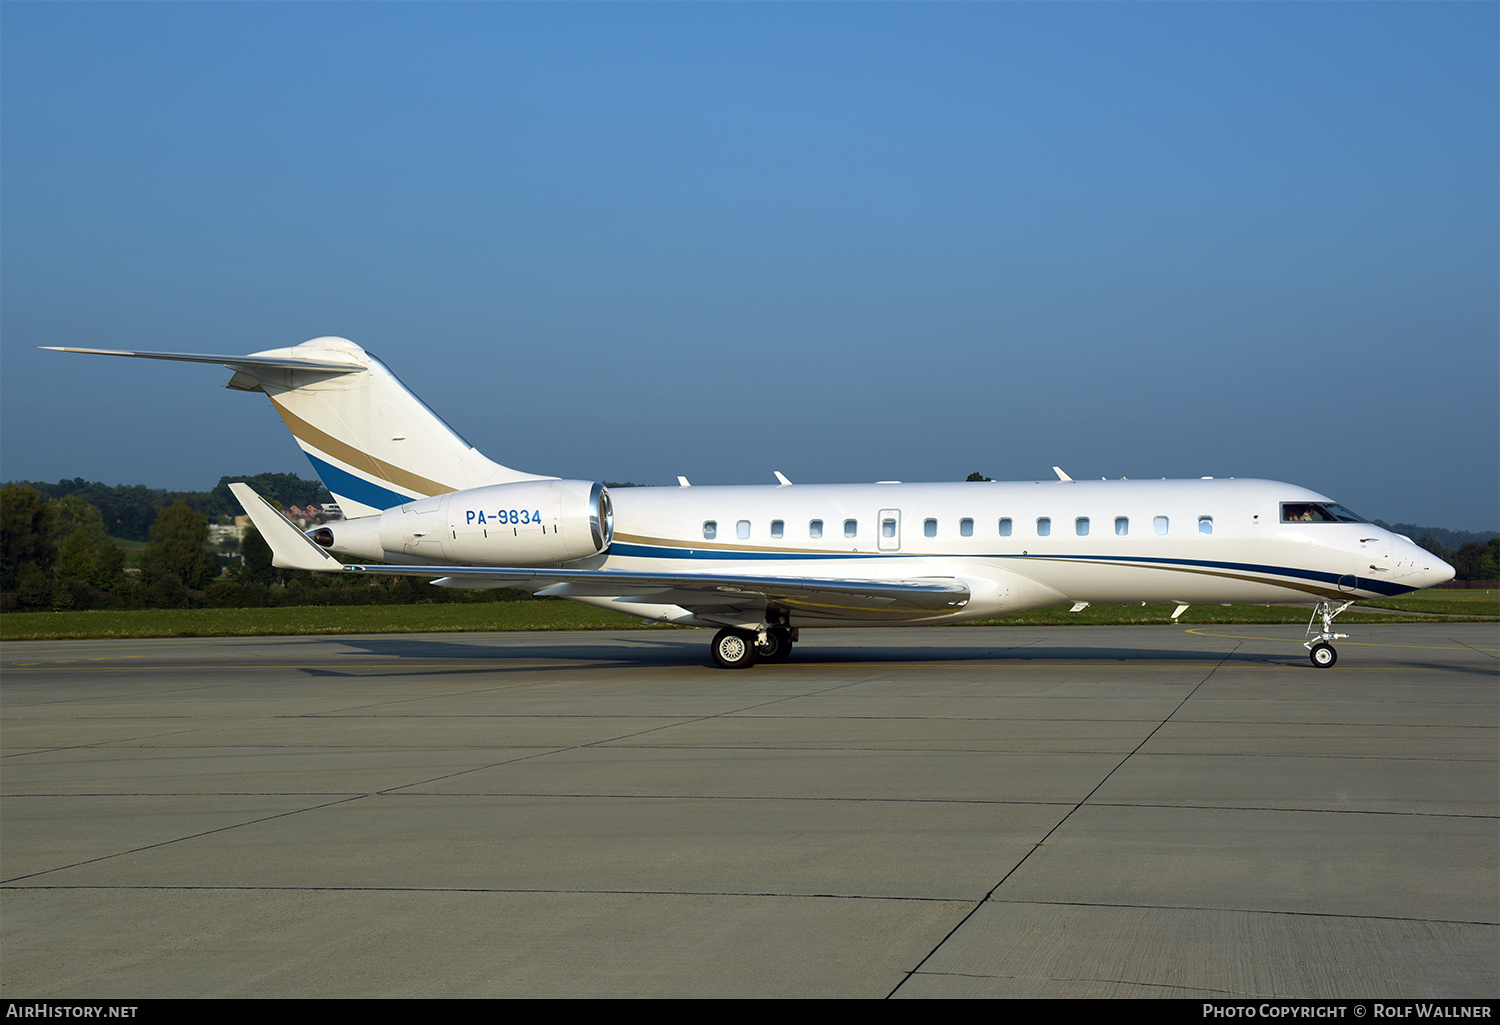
{"x": 777, "y": 647}
{"x": 733, "y": 649}
{"x": 1323, "y": 655}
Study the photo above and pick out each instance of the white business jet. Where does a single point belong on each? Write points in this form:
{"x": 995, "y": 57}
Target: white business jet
{"x": 763, "y": 562}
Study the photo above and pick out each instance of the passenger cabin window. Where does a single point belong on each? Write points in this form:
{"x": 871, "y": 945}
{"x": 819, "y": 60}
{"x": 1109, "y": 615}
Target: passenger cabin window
{"x": 710, "y": 529}
{"x": 1205, "y": 524}
{"x": 814, "y": 528}
{"x": 1318, "y": 512}
{"x": 1122, "y": 526}
{"x": 742, "y": 530}
{"x": 778, "y": 528}
{"x": 851, "y": 528}
{"x": 1081, "y": 526}
{"x": 929, "y": 528}
{"x": 887, "y": 527}
{"x": 1160, "y": 526}
{"x": 1005, "y": 527}
{"x": 1044, "y": 526}
{"x": 966, "y": 527}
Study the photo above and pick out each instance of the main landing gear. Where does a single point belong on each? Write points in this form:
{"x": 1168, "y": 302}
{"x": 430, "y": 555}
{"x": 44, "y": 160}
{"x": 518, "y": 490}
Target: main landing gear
{"x": 733, "y": 649}
{"x": 775, "y": 646}
{"x": 1319, "y": 646}
{"x": 741, "y": 649}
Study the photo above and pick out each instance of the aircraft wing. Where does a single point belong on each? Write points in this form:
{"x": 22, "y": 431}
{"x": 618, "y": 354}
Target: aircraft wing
{"x": 834, "y": 598}
{"x": 831, "y": 597}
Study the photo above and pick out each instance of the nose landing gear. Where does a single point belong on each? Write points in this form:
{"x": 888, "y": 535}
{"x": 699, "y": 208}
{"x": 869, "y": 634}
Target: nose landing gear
{"x": 1319, "y": 646}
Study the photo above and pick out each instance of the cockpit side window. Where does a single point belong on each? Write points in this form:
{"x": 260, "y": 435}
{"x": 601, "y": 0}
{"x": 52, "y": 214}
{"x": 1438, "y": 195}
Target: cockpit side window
{"x": 1318, "y": 512}
{"x": 1344, "y": 515}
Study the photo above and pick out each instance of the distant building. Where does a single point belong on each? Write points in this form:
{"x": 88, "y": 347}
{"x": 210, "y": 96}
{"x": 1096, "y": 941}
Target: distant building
{"x": 313, "y": 512}
{"x": 219, "y": 534}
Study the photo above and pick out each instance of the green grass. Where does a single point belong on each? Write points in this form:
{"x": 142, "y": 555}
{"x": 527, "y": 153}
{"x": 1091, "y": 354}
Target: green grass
{"x": 1198, "y": 615}
{"x": 559, "y": 615}
{"x": 132, "y": 549}
{"x": 359, "y": 619}
{"x": 1448, "y": 603}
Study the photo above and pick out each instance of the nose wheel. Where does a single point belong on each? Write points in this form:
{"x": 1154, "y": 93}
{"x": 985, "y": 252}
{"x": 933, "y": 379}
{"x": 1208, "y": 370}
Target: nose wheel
{"x": 1319, "y": 645}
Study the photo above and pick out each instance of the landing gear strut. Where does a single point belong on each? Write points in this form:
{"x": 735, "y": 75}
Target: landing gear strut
{"x": 775, "y": 646}
{"x": 1319, "y": 646}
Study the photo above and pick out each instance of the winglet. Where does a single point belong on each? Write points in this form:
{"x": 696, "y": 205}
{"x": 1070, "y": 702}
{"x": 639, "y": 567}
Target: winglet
{"x": 1062, "y": 476}
{"x": 290, "y": 548}
{"x": 781, "y": 478}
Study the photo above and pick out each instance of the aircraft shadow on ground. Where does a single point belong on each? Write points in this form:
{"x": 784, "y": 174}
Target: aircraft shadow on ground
{"x": 454, "y": 652}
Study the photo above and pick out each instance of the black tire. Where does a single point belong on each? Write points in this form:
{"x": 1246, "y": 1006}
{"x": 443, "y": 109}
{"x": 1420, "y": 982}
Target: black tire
{"x": 1322, "y": 655}
{"x": 733, "y": 649}
{"x": 777, "y": 647}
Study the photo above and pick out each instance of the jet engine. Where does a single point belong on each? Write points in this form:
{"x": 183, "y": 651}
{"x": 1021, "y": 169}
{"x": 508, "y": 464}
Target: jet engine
{"x": 528, "y": 523}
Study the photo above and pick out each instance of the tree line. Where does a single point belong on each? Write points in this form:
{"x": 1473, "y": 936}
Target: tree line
{"x": 58, "y": 551}
{"x": 58, "y": 554}
{"x": 129, "y": 510}
{"x": 1472, "y": 560}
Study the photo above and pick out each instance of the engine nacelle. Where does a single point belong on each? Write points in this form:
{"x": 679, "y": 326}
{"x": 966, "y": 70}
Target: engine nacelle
{"x": 528, "y": 523}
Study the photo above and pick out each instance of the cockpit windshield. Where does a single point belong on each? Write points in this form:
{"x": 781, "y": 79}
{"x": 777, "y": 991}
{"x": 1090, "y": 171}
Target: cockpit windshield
{"x": 1318, "y": 512}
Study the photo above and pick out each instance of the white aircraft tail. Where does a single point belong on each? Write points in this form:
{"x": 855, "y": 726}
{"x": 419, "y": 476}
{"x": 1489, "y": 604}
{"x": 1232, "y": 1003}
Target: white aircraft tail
{"x": 374, "y": 444}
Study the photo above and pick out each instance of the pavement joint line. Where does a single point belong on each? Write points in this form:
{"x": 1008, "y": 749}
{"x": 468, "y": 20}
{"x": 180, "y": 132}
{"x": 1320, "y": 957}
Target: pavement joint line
{"x": 1483, "y": 651}
{"x": 757, "y": 894}
{"x": 1059, "y": 824}
{"x": 681, "y": 721}
{"x": 177, "y": 839}
{"x": 1222, "y": 909}
{"x": 1163, "y": 986}
{"x": 763, "y": 894}
{"x": 346, "y": 798}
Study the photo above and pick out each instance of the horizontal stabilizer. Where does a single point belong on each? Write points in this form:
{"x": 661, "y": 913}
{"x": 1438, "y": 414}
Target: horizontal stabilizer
{"x": 234, "y": 362}
{"x": 372, "y": 442}
{"x": 290, "y": 548}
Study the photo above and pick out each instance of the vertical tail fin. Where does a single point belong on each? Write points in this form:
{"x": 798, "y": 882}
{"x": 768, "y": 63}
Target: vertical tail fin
{"x": 371, "y": 441}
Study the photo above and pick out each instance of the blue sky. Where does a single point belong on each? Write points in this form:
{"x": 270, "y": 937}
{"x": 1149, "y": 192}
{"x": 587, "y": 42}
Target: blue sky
{"x": 846, "y": 241}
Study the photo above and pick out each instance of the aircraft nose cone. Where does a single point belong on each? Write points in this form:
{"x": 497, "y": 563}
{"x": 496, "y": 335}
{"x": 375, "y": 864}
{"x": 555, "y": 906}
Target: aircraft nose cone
{"x": 1430, "y": 570}
{"x": 1439, "y": 573}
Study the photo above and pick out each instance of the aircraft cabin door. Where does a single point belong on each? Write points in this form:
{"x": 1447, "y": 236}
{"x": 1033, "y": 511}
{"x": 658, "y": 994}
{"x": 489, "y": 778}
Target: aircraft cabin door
{"x": 888, "y": 529}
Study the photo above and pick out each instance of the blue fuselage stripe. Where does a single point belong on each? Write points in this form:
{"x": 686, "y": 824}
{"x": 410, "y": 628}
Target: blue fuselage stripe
{"x": 638, "y": 551}
{"x": 635, "y": 551}
{"x": 1319, "y": 576}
